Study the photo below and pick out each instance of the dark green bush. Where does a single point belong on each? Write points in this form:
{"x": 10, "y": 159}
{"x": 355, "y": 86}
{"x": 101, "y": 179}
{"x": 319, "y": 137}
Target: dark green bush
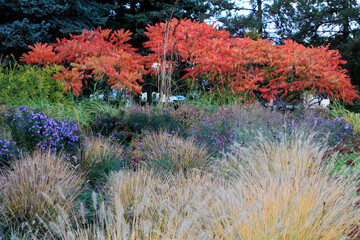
{"x": 141, "y": 121}
{"x": 137, "y": 121}
{"x": 105, "y": 124}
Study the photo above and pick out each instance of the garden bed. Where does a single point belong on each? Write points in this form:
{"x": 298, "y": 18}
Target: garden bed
{"x": 196, "y": 172}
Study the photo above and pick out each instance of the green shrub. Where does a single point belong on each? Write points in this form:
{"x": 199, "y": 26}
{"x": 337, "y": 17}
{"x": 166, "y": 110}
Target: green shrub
{"x": 140, "y": 121}
{"x": 105, "y": 123}
{"x": 20, "y": 83}
{"x": 143, "y": 118}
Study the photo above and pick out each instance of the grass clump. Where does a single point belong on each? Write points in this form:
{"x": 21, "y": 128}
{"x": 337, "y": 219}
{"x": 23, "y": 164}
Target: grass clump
{"x": 278, "y": 190}
{"x": 34, "y": 188}
{"x": 99, "y": 157}
{"x": 133, "y": 191}
{"x": 172, "y": 153}
{"x": 286, "y": 192}
{"x": 83, "y": 112}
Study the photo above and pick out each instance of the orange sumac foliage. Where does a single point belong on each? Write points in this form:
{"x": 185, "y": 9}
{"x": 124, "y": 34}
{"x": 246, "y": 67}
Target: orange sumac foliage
{"x": 257, "y": 67}
{"x": 91, "y": 56}
{"x": 186, "y": 39}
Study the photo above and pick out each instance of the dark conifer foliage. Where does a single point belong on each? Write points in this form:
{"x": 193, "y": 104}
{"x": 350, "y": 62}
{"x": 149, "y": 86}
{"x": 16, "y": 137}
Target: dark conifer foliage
{"x": 135, "y": 15}
{"x": 24, "y": 22}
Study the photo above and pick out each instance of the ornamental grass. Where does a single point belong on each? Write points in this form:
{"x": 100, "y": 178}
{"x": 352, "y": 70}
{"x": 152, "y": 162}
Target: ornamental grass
{"x": 98, "y": 149}
{"x": 277, "y": 190}
{"x": 288, "y": 191}
{"x": 33, "y": 189}
{"x": 171, "y": 152}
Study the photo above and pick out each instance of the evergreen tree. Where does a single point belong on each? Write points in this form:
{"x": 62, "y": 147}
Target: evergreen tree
{"x": 256, "y": 19}
{"x": 316, "y": 21}
{"x": 310, "y": 22}
{"x": 320, "y": 22}
{"x": 24, "y": 22}
{"x": 135, "y": 15}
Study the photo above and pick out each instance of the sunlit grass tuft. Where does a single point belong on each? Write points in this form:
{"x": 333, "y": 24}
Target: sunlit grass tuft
{"x": 174, "y": 153}
{"x": 31, "y": 191}
{"x": 278, "y": 190}
{"x": 266, "y": 189}
{"x": 287, "y": 192}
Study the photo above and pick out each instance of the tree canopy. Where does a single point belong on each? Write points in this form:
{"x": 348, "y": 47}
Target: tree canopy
{"x": 24, "y": 22}
{"x": 136, "y": 15}
{"x": 256, "y": 67}
{"x": 316, "y": 22}
{"x": 309, "y": 22}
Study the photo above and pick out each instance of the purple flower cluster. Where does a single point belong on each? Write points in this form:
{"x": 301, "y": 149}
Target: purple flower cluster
{"x": 337, "y": 129}
{"x": 215, "y": 129}
{"x": 105, "y": 124}
{"x": 8, "y": 152}
{"x": 33, "y": 130}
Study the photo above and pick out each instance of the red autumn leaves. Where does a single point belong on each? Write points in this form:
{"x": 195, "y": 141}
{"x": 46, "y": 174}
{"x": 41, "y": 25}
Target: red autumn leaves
{"x": 240, "y": 63}
{"x": 92, "y": 55}
{"x": 247, "y": 65}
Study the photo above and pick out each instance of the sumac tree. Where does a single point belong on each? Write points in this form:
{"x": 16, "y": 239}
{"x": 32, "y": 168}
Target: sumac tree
{"x": 92, "y": 56}
{"x": 257, "y": 67}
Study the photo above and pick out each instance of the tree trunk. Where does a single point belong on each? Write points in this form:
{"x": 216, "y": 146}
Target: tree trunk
{"x": 149, "y": 89}
{"x": 346, "y": 24}
{"x": 260, "y": 17}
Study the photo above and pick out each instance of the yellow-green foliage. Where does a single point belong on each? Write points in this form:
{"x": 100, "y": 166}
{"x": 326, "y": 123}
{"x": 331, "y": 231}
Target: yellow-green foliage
{"x": 20, "y": 83}
{"x": 253, "y": 34}
{"x": 171, "y": 152}
{"x": 3, "y": 113}
{"x": 354, "y": 119}
{"x": 33, "y": 190}
{"x": 351, "y": 117}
